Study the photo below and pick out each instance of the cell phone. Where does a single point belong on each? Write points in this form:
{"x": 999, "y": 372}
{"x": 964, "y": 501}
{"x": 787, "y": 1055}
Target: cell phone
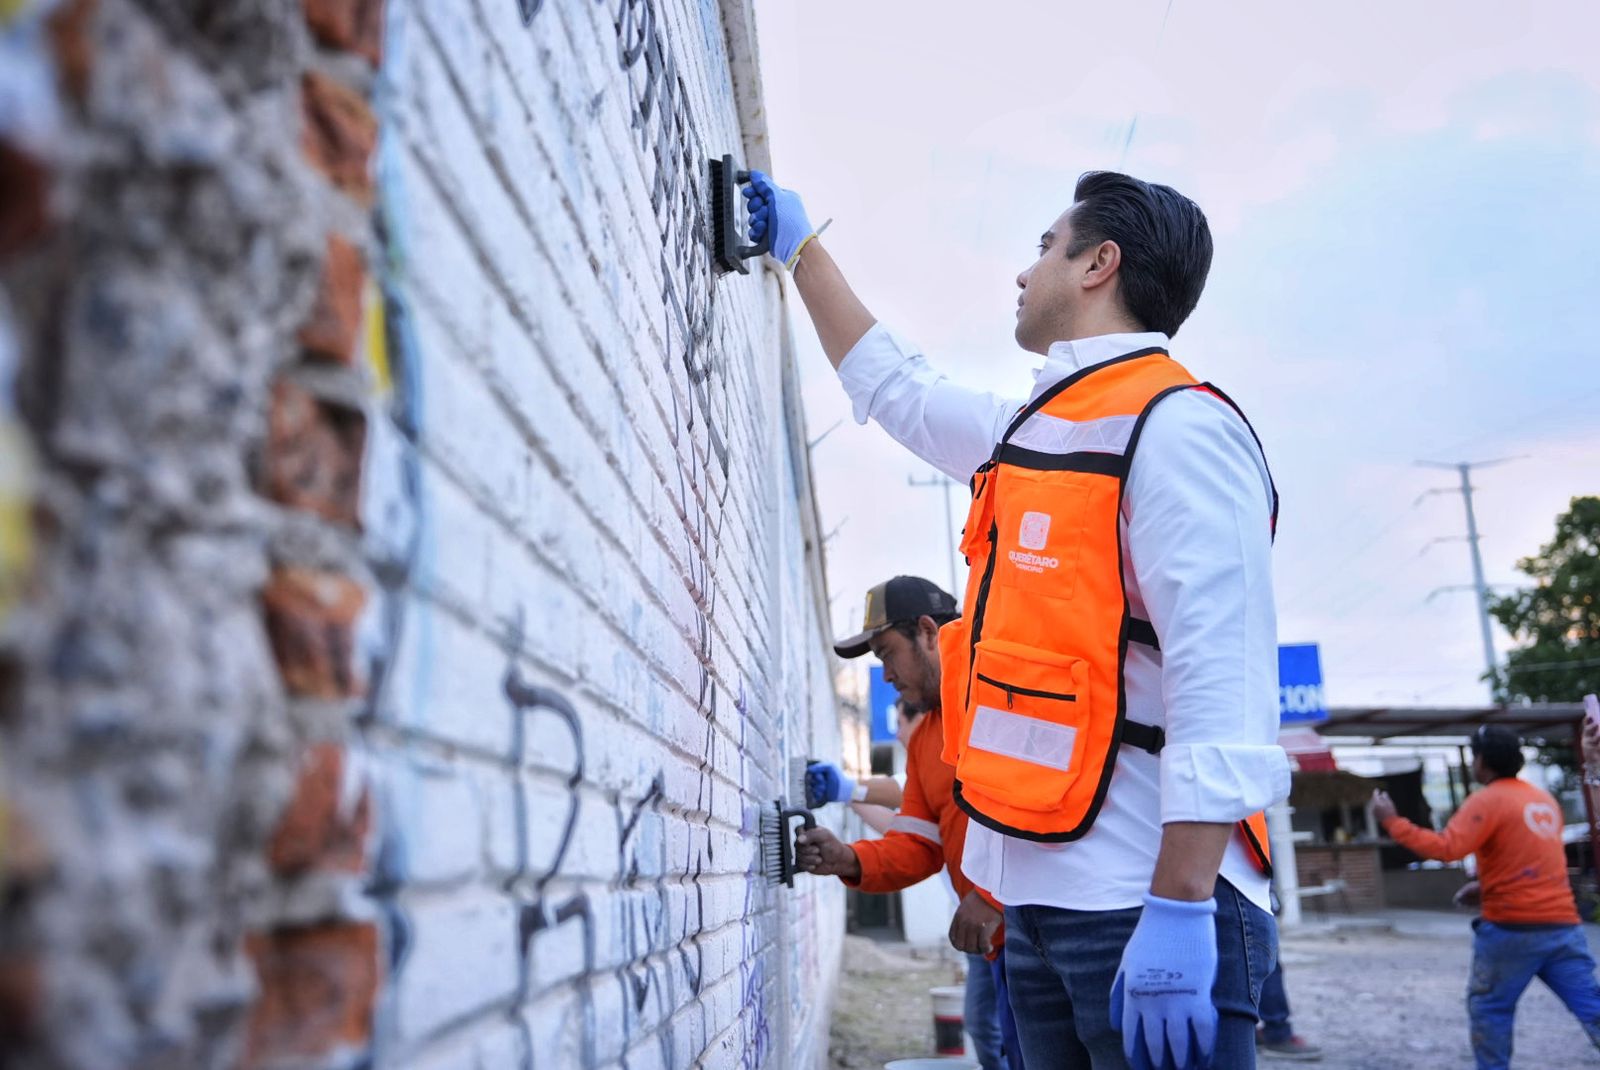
{"x": 1591, "y": 709}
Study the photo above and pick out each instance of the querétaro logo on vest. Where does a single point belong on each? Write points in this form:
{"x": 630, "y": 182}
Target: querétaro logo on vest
{"x": 1033, "y": 534}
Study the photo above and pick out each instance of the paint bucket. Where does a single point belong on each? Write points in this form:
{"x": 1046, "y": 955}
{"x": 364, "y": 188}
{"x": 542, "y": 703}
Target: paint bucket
{"x": 930, "y": 1064}
{"x": 949, "y": 1024}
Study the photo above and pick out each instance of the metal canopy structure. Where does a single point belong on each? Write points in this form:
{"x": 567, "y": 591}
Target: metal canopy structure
{"x": 1540, "y": 720}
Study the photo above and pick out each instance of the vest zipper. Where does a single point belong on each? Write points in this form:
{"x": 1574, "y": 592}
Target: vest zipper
{"x": 1012, "y": 689}
{"x": 982, "y": 603}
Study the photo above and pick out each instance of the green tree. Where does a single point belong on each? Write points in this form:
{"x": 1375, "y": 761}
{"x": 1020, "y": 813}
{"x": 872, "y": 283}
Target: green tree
{"x": 1556, "y": 621}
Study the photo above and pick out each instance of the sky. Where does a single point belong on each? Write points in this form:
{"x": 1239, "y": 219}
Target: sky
{"x": 1405, "y": 201}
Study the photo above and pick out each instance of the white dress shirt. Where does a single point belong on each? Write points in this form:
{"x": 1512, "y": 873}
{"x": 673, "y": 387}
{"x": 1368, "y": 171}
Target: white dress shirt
{"x": 1196, "y": 542}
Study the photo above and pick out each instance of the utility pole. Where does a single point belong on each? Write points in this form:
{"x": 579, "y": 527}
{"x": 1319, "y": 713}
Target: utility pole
{"x": 945, "y": 483}
{"x": 1478, "y": 584}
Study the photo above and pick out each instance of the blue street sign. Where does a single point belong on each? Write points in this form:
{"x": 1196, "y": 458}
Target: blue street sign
{"x": 881, "y": 697}
{"x": 1300, "y": 684}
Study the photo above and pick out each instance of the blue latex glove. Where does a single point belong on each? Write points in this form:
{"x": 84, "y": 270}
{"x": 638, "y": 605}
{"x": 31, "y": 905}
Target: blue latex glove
{"x": 825, "y": 783}
{"x": 778, "y": 210}
{"x": 1161, "y": 1000}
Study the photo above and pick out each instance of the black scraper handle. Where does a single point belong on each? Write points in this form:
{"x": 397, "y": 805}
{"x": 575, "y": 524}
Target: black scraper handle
{"x": 787, "y": 845}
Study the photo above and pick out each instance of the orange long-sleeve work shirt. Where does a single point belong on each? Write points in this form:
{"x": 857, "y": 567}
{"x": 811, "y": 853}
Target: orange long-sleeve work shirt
{"x": 929, "y": 831}
{"x": 1515, "y": 830}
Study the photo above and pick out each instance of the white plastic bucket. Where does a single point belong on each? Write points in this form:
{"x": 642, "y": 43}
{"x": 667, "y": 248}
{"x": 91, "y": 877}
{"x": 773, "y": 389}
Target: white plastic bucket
{"x": 930, "y": 1064}
{"x": 949, "y": 1022}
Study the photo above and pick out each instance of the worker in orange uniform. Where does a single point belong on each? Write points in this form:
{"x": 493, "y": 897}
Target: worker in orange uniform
{"x": 1529, "y": 926}
{"x": 903, "y": 618}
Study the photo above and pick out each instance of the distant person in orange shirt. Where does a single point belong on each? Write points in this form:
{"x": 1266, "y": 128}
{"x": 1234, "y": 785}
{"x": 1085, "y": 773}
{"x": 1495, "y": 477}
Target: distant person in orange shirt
{"x": 902, "y": 628}
{"x": 1529, "y": 926}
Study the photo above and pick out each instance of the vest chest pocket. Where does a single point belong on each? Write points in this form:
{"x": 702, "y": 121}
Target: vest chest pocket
{"x": 1039, "y": 524}
{"x": 1027, "y": 726}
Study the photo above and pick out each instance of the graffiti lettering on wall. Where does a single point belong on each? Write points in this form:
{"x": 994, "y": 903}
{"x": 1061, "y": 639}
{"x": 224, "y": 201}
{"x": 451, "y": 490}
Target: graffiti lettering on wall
{"x": 630, "y": 929}
{"x": 675, "y": 156}
{"x": 641, "y": 865}
{"x": 678, "y": 195}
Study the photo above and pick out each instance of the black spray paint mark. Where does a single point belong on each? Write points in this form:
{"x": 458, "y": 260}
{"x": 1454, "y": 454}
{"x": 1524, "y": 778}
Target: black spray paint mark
{"x": 679, "y": 198}
{"x": 642, "y": 927}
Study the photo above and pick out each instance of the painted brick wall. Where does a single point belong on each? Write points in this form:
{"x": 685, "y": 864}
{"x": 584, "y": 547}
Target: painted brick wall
{"x": 411, "y": 592}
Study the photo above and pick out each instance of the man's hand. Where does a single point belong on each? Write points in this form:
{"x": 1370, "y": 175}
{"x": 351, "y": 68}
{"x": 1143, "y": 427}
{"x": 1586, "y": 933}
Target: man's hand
{"x": 1468, "y": 895}
{"x": 777, "y": 211}
{"x": 1591, "y": 743}
{"x": 972, "y": 929}
{"x": 819, "y": 851}
{"x": 826, "y": 783}
{"x": 1161, "y": 1000}
{"x": 1383, "y": 810}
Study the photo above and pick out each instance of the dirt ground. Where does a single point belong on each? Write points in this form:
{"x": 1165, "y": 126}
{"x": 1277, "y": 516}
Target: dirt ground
{"x": 1374, "y": 999}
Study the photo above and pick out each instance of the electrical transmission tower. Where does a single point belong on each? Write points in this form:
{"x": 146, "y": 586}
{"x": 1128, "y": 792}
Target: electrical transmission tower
{"x": 1471, "y": 538}
{"x": 945, "y": 485}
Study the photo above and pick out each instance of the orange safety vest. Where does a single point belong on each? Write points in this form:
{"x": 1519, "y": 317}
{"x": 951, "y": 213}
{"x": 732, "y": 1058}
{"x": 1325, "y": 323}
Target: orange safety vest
{"x": 1033, "y": 691}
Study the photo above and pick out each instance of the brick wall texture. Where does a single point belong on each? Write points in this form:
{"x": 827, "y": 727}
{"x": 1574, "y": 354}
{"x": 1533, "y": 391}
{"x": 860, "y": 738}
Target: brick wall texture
{"x": 410, "y": 584}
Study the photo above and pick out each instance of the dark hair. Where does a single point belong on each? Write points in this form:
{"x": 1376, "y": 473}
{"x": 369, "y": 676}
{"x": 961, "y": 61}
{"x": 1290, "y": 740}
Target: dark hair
{"x": 1165, "y": 243}
{"x": 1499, "y": 748}
{"x": 908, "y": 628}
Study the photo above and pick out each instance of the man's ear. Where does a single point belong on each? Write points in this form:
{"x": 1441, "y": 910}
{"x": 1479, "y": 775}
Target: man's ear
{"x": 1104, "y": 265}
{"x": 928, "y": 629}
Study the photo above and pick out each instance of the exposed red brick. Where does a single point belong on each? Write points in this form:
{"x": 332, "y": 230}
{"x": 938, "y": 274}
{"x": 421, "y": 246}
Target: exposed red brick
{"x": 313, "y": 455}
{"x": 21, "y": 999}
{"x": 318, "y": 985}
{"x": 70, "y": 39}
{"x": 313, "y": 833}
{"x": 353, "y": 25}
{"x": 311, "y": 618}
{"x": 335, "y": 321}
{"x": 24, "y": 198}
{"x": 339, "y": 133}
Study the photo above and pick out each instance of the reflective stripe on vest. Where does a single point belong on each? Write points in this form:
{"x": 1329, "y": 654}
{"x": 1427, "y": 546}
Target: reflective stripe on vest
{"x": 1034, "y": 666}
{"x": 1254, "y": 831}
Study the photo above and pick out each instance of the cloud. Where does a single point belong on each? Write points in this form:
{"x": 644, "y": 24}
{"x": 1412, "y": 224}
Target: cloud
{"x": 1403, "y": 198}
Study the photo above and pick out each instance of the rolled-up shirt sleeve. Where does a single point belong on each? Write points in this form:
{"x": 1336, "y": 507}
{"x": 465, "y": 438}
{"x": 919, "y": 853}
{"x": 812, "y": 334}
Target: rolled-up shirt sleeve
{"x": 949, "y": 426}
{"x": 1198, "y": 512}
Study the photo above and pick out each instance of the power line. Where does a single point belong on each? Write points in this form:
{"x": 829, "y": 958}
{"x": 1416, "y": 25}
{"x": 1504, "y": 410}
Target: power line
{"x": 1335, "y": 573}
{"x": 1552, "y": 666}
{"x": 1538, "y": 416}
{"x": 1133, "y": 124}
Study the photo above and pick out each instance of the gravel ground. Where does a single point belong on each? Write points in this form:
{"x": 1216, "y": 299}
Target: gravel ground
{"x": 1374, "y": 999}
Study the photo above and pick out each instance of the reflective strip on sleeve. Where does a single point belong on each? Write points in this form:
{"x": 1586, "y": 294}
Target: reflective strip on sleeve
{"x": 916, "y": 826}
{"x": 1027, "y": 739}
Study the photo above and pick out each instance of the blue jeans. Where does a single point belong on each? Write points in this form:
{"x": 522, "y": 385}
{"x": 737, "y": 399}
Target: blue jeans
{"x": 1504, "y": 961}
{"x": 1275, "y": 1008}
{"x": 1002, "y": 1007}
{"x": 1060, "y": 965}
{"x": 983, "y": 1024}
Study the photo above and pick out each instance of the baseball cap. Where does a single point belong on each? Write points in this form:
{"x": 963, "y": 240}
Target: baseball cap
{"x": 1498, "y": 745}
{"x": 903, "y": 598}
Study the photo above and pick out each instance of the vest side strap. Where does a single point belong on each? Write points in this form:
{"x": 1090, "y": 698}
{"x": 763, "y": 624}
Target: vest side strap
{"x": 1143, "y": 633}
{"x": 1147, "y": 737}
